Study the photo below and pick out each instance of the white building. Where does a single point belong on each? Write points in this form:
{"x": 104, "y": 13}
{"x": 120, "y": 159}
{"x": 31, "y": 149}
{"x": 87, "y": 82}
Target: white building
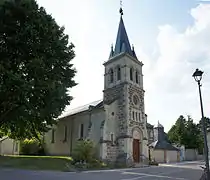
{"x": 9, "y": 146}
{"x": 118, "y": 123}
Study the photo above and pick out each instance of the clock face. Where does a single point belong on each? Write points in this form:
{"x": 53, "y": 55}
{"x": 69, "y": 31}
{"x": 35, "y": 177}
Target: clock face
{"x": 135, "y": 99}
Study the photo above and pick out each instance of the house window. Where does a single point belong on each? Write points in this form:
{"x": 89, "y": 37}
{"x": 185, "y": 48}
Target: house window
{"x": 131, "y": 74}
{"x": 53, "y": 136}
{"x": 65, "y": 133}
{"x": 81, "y": 131}
{"x": 112, "y": 138}
{"x": 133, "y": 115}
{"x": 118, "y": 73}
{"x": 111, "y": 74}
{"x": 137, "y": 77}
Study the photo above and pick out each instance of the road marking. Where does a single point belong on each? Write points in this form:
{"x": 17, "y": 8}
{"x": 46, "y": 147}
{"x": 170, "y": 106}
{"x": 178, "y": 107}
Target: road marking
{"x": 118, "y": 170}
{"x": 97, "y": 171}
{"x": 150, "y": 175}
{"x": 139, "y": 177}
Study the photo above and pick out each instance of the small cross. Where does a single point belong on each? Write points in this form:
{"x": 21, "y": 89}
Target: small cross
{"x": 121, "y": 10}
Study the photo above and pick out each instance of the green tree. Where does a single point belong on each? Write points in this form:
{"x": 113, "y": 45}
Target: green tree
{"x": 177, "y": 134}
{"x": 193, "y": 134}
{"x": 35, "y": 68}
{"x": 185, "y": 132}
{"x": 200, "y": 127}
{"x": 207, "y": 124}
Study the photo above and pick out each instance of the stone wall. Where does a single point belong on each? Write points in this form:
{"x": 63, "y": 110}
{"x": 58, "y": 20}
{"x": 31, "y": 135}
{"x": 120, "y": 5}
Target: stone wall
{"x": 112, "y": 151}
{"x": 116, "y": 96}
{"x": 132, "y": 89}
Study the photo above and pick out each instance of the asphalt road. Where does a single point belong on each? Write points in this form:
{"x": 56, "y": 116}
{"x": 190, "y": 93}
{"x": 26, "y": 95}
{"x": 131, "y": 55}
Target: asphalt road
{"x": 148, "y": 173}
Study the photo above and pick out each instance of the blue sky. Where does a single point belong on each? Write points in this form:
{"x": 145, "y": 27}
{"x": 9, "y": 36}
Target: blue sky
{"x": 169, "y": 36}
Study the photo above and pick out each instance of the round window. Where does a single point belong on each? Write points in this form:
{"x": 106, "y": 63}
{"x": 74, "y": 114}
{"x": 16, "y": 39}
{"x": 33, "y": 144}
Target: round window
{"x": 135, "y": 99}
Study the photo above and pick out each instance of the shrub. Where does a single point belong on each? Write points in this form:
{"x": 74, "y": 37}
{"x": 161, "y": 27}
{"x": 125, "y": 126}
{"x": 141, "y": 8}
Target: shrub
{"x": 31, "y": 147}
{"x": 84, "y": 156}
{"x": 84, "y": 151}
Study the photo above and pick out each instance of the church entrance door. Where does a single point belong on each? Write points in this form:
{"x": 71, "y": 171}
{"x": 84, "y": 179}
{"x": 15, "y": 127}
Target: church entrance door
{"x": 136, "y": 150}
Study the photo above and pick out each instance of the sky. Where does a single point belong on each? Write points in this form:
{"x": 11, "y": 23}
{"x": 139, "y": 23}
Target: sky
{"x": 171, "y": 38}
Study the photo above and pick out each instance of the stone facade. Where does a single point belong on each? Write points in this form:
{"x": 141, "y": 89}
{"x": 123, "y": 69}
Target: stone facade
{"x": 129, "y": 116}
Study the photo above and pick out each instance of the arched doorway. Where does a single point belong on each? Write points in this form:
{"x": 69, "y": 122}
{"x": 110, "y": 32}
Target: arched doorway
{"x": 137, "y": 144}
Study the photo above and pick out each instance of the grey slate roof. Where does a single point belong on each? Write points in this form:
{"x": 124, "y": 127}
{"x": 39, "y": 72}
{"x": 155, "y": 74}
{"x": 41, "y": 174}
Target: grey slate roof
{"x": 150, "y": 126}
{"x": 161, "y": 139}
{"x": 122, "y": 44}
{"x": 94, "y": 104}
{"x": 162, "y": 145}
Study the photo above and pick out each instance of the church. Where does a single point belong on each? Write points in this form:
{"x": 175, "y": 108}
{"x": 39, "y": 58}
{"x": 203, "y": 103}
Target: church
{"x": 117, "y": 124}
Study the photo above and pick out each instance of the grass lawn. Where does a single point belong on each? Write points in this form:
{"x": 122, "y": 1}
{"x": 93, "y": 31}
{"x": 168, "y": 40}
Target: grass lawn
{"x": 56, "y": 163}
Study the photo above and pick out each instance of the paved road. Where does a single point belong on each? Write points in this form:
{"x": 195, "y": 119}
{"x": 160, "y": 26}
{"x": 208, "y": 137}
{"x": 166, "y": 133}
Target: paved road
{"x": 149, "y": 173}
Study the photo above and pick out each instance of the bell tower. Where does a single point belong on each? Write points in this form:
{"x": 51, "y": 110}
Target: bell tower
{"x": 123, "y": 84}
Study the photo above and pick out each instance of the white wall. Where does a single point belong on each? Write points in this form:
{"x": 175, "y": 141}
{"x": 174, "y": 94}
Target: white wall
{"x": 59, "y": 147}
{"x": 172, "y": 156}
{"x": 9, "y": 147}
{"x": 158, "y": 155}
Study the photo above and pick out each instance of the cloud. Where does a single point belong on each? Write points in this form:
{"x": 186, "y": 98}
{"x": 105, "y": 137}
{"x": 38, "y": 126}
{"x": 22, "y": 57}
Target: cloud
{"x": 180, "y": 53}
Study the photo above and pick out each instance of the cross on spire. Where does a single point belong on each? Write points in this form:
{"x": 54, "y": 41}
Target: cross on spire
{"x": 121, "y": 10}
{"x": 122, "y": 44}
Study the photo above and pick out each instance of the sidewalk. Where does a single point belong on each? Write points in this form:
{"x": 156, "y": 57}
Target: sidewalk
{"x": 185, "y": 164}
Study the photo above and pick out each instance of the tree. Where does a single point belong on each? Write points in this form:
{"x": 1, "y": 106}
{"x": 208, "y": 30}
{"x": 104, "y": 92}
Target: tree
{"x": 200, "y": 127}
{"x": 193, "y": 134}
{"x": 207, "y": 123}
{"x": 35, "y": 68}
{"x": 178, "y": 132}
{"x": 185, "y": 132}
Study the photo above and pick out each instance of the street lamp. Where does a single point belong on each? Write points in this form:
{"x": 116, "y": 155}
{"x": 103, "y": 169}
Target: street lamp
{"x": 198, "y": 76}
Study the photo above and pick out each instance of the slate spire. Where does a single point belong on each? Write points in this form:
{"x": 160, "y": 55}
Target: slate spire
{"x": 122, "y": 44}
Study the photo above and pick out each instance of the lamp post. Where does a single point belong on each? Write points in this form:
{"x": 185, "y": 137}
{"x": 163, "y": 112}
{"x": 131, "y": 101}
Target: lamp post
{"x": 198, "y": 76}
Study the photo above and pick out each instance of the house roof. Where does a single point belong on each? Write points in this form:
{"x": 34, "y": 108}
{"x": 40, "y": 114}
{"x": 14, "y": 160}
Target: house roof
{"x": 149, "y": 125}
{"x": 94, "y": 104}
{"x": 162, "y": 145}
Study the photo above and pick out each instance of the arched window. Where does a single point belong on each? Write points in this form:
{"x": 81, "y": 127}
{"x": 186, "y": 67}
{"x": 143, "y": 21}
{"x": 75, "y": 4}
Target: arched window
{"x": 118, "y": 73}
{"x": 137, "y": 77}
{"x": 111, "y": 75}
{"x": 131, "y": 74}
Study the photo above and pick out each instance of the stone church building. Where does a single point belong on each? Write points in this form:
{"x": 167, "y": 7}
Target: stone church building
{"x": 117, "y": 123}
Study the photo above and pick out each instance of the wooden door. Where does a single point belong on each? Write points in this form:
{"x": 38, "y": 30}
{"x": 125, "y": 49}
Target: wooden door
{"x": 136, "y": 150}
